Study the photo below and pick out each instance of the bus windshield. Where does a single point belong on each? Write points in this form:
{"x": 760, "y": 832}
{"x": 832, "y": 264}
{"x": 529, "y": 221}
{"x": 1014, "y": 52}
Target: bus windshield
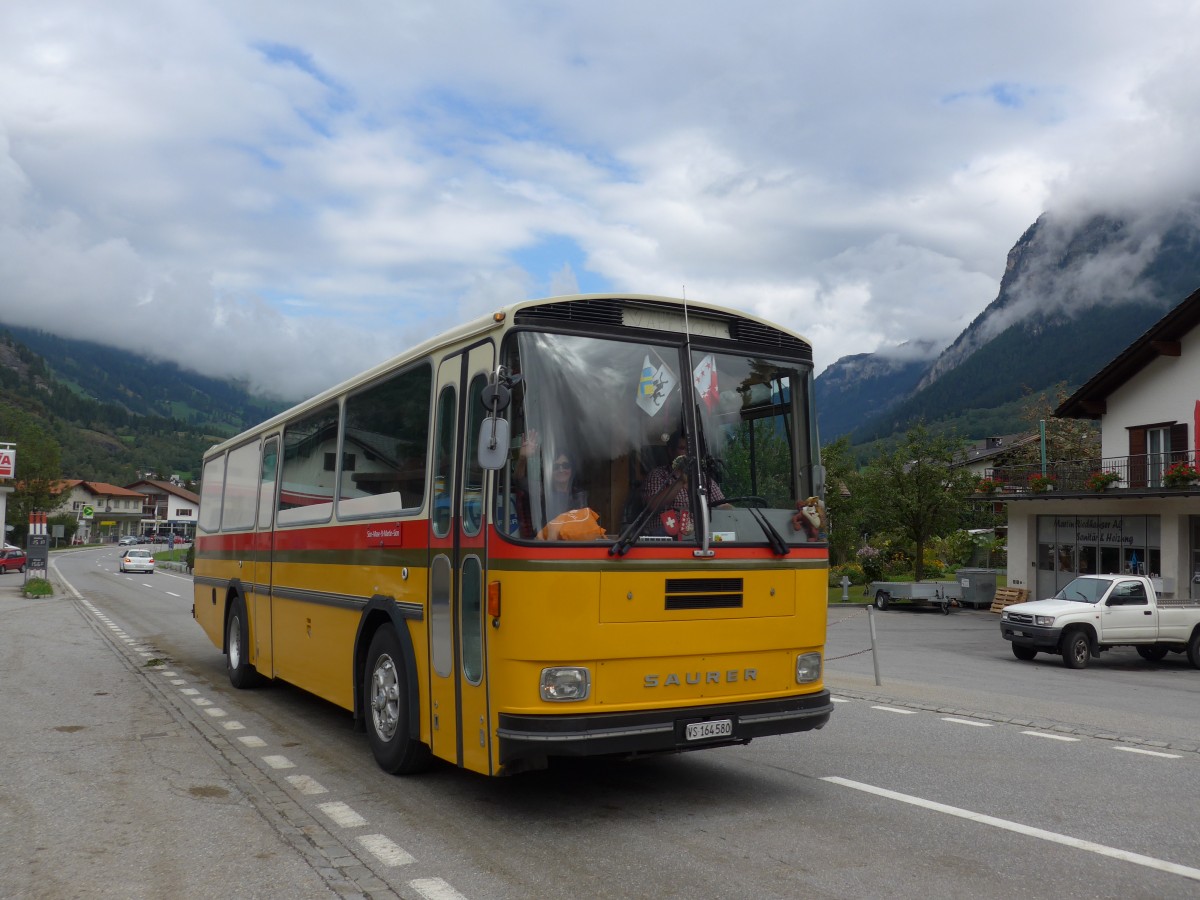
{"x": 603, "y": 429}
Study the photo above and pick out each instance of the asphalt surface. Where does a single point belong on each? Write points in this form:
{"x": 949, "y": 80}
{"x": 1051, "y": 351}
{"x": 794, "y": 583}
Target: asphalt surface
{"x": 106, "y": 791}
{"x": 109, "y": 790}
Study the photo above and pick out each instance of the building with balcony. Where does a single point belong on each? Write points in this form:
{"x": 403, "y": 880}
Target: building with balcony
{"x": 167, "y": 508}
{"x": 1136, "y": 507}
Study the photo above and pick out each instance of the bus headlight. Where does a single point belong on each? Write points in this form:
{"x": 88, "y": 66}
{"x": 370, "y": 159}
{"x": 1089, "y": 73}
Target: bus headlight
{"x": 808, "y": 667}
{"x": 565, "y": 683}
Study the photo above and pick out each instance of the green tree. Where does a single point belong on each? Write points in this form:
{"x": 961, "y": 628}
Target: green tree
{"x": 915, "y": 490}
{"x": 37, "y": 468}
{"x": 69, "y": 523}
{"x": 1066, "y": 439}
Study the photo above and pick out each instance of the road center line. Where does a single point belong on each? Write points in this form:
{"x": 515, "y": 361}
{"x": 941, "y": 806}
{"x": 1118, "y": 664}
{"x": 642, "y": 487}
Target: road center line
{"x": 1100, "y": 849}
{"x": 903, "y": 712}
{"x": 966, "y": 722}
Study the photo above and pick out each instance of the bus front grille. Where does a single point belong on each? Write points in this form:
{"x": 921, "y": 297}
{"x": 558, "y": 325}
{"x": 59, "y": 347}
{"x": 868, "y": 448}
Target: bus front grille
{"x": 704, "y": 593}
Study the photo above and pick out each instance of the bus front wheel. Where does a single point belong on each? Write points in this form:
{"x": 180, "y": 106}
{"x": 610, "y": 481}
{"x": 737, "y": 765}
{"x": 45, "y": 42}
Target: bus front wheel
{"x": 387, "y": 704}
{"x": 237, "y": 639}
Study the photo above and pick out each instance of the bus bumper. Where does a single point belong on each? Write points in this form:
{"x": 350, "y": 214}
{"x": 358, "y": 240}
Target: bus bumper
{"x": 528, "y": 741}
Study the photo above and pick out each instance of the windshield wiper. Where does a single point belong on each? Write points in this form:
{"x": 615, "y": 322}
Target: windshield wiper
{"x": 779, "y": 546}
{"x": 637, "y": 527}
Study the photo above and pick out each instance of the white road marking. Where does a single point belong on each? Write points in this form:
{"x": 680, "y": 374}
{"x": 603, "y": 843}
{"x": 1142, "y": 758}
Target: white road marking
{"x": 172, "y": 594}
{"x": 1148, "y": 752}
{"x": 306, "y": 785}
{"x": 966, "y": 722}
{"x": 202, "y": 701}
{"x": 839, "y": 699}
{"x": 216, "y": 712}
{"x": 233, "y": 725}
{"x": 903, "y": 712}
{"x": 435, "y": 889}
{"x": 252, "y": 741}
{"x": 1053, "y": 837}
{"x": 342, "y": 814}
{"x": 279, "y": 762}
{"x": 1053, "y": 737}
{"x": 188, "y": 691}
{"x": 386, "y": 850}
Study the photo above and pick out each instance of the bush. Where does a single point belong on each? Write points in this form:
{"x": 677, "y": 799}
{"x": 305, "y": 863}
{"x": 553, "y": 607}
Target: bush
{"x": 871, "y": 561}
{"x": 853, "y": 571}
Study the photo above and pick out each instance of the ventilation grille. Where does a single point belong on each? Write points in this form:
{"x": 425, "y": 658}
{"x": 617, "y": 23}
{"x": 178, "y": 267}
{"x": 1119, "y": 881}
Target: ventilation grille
{"x": 593, "y": 312}
{"x": 755, "y": 332}
{"x": 704, "y": 593}
{"x": 609, "y": 311}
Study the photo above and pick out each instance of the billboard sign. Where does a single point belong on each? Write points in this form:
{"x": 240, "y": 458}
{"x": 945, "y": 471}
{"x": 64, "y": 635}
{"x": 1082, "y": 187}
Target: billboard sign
{"x": 8, "y": 460}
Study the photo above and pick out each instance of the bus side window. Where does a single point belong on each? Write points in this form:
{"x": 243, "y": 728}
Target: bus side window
{"x": 386, "y": 432}
{"x": 309, "y": 467}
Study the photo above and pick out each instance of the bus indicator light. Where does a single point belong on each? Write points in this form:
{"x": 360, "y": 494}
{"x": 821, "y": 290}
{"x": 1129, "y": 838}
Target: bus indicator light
{"x": 493, "y": 601}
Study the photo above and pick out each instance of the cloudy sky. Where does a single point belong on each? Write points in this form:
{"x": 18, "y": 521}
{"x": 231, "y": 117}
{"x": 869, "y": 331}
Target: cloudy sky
{"x": 290, "y": 191}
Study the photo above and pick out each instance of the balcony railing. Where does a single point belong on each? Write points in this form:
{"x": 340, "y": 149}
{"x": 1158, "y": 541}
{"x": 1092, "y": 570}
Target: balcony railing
{"x": 1146, "y": 472}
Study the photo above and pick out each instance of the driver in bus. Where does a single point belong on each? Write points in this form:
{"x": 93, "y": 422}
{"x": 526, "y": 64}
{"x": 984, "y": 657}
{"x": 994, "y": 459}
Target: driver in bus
{"x": 677, "y": 513}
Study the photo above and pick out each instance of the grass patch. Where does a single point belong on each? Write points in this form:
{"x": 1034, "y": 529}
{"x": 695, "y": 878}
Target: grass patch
{"x": 37, "y": 587}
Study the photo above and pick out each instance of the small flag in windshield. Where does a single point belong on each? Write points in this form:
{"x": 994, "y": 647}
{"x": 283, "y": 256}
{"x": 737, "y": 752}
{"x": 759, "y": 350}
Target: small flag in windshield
{"x": 654, "y": 387}
{"x": 705, "y": 376}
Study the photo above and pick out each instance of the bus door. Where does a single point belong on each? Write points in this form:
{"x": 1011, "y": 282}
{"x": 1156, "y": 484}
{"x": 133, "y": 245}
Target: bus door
{"x": 457, "y": 577}
{"x": 263, "y": 556}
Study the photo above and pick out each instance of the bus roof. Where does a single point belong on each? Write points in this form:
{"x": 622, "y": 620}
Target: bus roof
{"x": 481, "y": 325}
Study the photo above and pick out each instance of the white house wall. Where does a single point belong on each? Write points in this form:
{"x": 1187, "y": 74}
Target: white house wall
{"x": 1164, "y": 391}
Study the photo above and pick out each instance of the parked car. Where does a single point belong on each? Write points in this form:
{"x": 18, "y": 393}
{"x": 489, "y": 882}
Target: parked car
{"x": 12, "y": 560}
{"x": 1096, "y": 612}
{"x": 128, "y": 541}
{"x": 137, "y": 561}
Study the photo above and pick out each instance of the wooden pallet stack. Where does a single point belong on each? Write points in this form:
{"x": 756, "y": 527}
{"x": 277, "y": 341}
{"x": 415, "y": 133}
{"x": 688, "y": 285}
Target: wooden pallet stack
{"x": 1007, "y": 596}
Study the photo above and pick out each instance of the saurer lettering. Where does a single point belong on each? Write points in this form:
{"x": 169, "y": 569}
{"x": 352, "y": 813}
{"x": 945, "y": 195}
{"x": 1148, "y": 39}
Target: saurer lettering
{"x": 674, "y": 679}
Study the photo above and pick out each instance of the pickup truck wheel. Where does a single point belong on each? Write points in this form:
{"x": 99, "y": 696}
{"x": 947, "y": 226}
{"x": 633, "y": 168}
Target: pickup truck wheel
{"x": 1025, "y": 653}
{"x": 1076, "y": 649}
{"x": 1193, "y": 649}
{"x": 881, "y": 599}
{"x": 1153, "y": 653}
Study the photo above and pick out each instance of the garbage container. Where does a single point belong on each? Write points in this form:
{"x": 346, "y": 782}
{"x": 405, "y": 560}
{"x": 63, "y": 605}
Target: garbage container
{"x": 978, "y": 587}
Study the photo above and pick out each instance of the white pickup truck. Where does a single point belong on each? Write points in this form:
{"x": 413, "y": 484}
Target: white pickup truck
{"x": 1097, "y": 612}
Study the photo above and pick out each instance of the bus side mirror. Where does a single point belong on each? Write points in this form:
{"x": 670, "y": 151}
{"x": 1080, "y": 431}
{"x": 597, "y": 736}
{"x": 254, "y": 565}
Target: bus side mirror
{"x": 493, "y": 443}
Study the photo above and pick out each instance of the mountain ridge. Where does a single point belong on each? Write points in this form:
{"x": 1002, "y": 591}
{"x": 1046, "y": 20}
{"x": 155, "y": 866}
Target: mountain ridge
{"x": 1075, "y": 292}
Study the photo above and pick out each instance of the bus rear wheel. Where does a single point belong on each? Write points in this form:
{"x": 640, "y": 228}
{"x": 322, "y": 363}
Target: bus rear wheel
{"x": 386, "y": 700}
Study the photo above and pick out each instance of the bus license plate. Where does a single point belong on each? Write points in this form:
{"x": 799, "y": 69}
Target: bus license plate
{"x": 698, "y": 731}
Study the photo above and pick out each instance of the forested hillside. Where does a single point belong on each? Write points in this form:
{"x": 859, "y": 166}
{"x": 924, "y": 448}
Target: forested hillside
{"x": 113, "y": 415}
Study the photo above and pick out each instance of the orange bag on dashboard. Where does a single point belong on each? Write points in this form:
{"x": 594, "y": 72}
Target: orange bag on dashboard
{"x": 573, "y": 525}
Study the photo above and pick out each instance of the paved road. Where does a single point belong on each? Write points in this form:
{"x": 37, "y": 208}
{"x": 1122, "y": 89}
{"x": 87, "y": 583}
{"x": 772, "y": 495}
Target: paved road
{"x": 967, "y": 773}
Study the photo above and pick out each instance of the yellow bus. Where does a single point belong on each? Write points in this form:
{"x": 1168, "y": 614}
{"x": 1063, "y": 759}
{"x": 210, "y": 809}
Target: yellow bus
{"x": 581, "y": 526}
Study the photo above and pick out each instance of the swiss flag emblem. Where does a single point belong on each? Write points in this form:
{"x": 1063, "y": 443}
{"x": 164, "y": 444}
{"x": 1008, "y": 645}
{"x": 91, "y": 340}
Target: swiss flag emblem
{"x": 670, "y": 522}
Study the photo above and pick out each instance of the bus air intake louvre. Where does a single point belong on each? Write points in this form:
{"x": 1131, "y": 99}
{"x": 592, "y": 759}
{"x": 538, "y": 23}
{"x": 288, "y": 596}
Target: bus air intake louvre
{"x": 610, "y": 312}
{"x": 704, "y": 593}
{"x": 593, "y": 312}
{"x": 745, "y": 330}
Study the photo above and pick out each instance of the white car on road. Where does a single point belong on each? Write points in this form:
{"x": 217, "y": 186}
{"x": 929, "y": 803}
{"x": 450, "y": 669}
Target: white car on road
{"x": 134, "y": 560}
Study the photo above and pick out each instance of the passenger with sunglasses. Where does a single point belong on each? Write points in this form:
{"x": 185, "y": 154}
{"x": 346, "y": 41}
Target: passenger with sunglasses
{"x": 562, "y": 491}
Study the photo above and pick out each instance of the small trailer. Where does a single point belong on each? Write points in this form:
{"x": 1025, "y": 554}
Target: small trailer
{"x": 938, "y": 593}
